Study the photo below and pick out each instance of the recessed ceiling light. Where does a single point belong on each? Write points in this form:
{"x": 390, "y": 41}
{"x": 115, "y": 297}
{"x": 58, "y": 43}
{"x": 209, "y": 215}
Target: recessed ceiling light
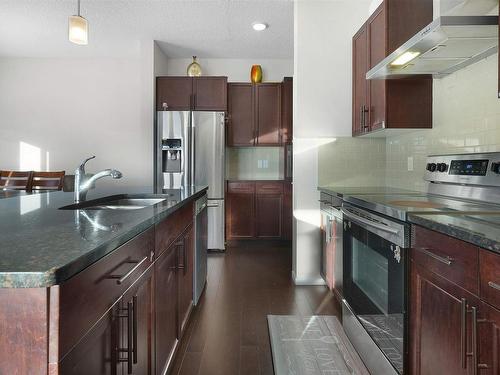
{"x": 259, "y": 26}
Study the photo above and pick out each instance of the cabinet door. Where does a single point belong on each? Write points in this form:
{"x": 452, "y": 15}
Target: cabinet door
{"x": 377, "y": 52}
{"x": 137, "y": 327}
{"x": 241, "y": 131}
{"x": 210, "y": 93}
{"x": 96, "y": 353}
{"x": 488, "y": 328}
{"x": 435, "y": 326}
{"x": 185, "y": 277}
{"x": 287, "y": 211}
{"x": 287, "y": 110}
{"x": 268, "y": 113}
{"x": 359, "y": 84}
{"x": 176, "y": 92}
{"x": 240, "y": 211}
{"x": 166, "y": 300}
{"x": 269, "y": 208}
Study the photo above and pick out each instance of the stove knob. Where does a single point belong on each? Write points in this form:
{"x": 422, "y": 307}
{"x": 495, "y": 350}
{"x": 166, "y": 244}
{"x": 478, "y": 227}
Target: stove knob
{"x": 495, "y": 167}
{"x": 431, "y": 167}
{"x": 442, "y": 167}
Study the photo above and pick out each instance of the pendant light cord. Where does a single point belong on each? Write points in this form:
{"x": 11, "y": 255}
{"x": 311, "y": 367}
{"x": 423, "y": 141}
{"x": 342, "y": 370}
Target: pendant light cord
{"x": 79, "y": 8}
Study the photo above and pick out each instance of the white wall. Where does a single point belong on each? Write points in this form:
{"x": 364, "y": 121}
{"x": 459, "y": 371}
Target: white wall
{"x": 237, "y": 70}
{"x": 69, "y": 109}
{"x": 323, "y": 32}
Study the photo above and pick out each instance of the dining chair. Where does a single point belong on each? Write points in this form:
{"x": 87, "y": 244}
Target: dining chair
{"x": 47, "y": 180}
{"x": 18, "y": 180}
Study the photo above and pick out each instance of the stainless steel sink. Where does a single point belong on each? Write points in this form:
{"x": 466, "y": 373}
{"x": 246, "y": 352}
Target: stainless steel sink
{"x": 117, "y": 203}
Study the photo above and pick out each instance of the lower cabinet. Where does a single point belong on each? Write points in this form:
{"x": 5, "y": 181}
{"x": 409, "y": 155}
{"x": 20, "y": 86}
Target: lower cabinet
{"x": 185, "y": 248}
{"x": 121, "y": 341}
{"x": 96, "y": 353}
{"x": 453, "y": 330}
{"x": 166, "y": 293}
{"x": 258, "y": 210}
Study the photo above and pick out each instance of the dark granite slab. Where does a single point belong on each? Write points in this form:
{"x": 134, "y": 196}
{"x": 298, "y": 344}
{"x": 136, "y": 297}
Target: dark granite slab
{"x": 482, "y": 230}
{"x": 341, "y": 191}
{"x": 41, "y": 245}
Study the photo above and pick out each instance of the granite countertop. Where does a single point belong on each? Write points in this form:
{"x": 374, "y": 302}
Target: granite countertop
{"x": 482, "y": 230}
{"x": 41, "y": 245}
{"x": 341, "y": 191}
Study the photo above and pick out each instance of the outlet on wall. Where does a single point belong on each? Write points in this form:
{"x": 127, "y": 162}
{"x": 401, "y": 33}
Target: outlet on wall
{"x": 410, "y": 163}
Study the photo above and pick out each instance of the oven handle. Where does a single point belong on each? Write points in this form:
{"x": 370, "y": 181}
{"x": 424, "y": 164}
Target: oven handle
{"x": 381, "y": 227}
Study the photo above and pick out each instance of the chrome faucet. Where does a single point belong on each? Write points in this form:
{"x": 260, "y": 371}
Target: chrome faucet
{"x": 83, "y": 183}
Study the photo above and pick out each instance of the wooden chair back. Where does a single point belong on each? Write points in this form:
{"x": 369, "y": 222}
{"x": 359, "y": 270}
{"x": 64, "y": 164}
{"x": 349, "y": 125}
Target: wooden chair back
{"x": 16, "y": 180}
{"x": 47, "y": 180}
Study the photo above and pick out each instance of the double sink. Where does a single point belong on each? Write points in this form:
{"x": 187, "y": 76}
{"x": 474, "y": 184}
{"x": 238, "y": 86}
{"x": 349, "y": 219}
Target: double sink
{"x": 119, "y": 202}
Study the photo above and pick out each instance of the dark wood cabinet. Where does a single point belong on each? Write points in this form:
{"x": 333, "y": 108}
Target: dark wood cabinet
{"x": 268, "y": 114}
{"x": 210, "y": 93}
{"x": 359, "y": 84}
{"x": 453, "y": 327}
{"x": 240, "y": 215}
{"x": 287, "y": 110}
{"x": 166, "y": 296}
{"x": 435, "y": 326}
{"x": 259, "y": 210}
{"x": 137, "y": 328}
{"x": 396, "y": 103}
{"x": 191, "y": 93}
{"x": 240, "y": 127}
{"x": 287, "y": 211}
{"x": 254, "y": 114}
{"x": 185, "y": 251}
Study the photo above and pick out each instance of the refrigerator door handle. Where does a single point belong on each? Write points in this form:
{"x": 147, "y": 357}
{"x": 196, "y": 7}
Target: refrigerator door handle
{"x": 212, "y": 204}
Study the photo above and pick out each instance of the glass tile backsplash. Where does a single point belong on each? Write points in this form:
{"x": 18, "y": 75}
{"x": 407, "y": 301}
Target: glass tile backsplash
{"x": 255, "y": 163}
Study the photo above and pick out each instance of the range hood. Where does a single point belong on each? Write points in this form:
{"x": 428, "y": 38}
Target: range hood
{"x": 446, "y": 45}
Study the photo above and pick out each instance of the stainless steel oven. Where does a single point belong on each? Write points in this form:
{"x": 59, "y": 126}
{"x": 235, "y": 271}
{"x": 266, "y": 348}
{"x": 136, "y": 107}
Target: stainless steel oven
{"x": 375, "y": 288}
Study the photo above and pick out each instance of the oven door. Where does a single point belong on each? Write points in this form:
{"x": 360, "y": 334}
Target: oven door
{"x": 375, "y": 279}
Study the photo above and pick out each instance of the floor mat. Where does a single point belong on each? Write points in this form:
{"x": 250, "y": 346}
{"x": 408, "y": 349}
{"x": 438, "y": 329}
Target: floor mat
{"x": 312, "y": 345}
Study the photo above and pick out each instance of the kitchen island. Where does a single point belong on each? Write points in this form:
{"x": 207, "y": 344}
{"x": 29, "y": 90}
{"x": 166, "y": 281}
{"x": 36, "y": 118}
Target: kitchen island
{"x": 84, "y": 291}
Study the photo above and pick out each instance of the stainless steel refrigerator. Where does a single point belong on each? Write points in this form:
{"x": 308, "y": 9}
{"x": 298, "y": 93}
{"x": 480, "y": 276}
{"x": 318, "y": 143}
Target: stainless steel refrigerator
{"x": 190, "y": 152}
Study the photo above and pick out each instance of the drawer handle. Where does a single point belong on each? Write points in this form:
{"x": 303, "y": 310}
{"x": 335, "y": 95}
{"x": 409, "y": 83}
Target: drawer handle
{"x": 493, "y": 285}
{"x": 445, "y": 260}
{"x": 120, "y": 279}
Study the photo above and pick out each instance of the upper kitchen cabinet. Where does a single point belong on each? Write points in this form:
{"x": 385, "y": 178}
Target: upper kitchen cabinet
{"x": 390, "y": 104}
{"x": 240, "y": 114}
{"x": 254, "y": 114}
{"x": 191, "y": 93}
{"x": 287, "y": 110}
{"x": 268, "y": 114}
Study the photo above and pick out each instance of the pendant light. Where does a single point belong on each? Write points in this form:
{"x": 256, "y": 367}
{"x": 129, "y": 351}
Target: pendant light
{"x": 78, "y": 29}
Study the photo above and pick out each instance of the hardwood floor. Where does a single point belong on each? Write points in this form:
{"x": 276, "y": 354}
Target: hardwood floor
{"x": 228, "y": 334}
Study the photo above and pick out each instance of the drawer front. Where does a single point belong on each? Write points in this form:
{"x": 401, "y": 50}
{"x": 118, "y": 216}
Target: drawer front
{"x": 169, "y": 229}
{"x": 241, "y": 187}
{"x": 489, "y": 266}
{"x": 455, "y": 260}
{"x": 269, "y": 187}
{"x": 87, "y": 296}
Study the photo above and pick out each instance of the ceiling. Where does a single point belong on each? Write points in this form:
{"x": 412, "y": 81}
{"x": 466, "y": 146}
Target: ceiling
{"x": 206, "y": 28}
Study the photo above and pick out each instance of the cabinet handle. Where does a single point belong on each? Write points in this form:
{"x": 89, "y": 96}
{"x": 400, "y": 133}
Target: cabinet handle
{"x": 445, "y": 260}
{"x": 474, "y": 341}
{"x": 463, "y": 333}
{"x": 493, "y": 285}
{"x": 120, "y": 279}
{"x": 361, "y": 114}
{"x": 134, "y": 330}
{"x": 181, "y": 266}
{"x": 130, "y": 328}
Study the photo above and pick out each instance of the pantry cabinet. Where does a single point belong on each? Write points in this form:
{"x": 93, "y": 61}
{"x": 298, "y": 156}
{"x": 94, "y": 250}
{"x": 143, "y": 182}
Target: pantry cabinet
{"x": 397, "y": 103}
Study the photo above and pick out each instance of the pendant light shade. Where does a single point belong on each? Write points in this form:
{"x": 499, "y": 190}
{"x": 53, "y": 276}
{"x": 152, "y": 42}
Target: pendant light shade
{"x": 78, "y": 29}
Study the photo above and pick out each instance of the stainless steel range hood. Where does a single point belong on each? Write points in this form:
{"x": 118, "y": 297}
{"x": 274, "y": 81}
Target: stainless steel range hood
{"x": 446, "y": 45}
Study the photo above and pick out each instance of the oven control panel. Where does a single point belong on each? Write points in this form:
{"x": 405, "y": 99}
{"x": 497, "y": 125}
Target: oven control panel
{"x": 471, "y": 169}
